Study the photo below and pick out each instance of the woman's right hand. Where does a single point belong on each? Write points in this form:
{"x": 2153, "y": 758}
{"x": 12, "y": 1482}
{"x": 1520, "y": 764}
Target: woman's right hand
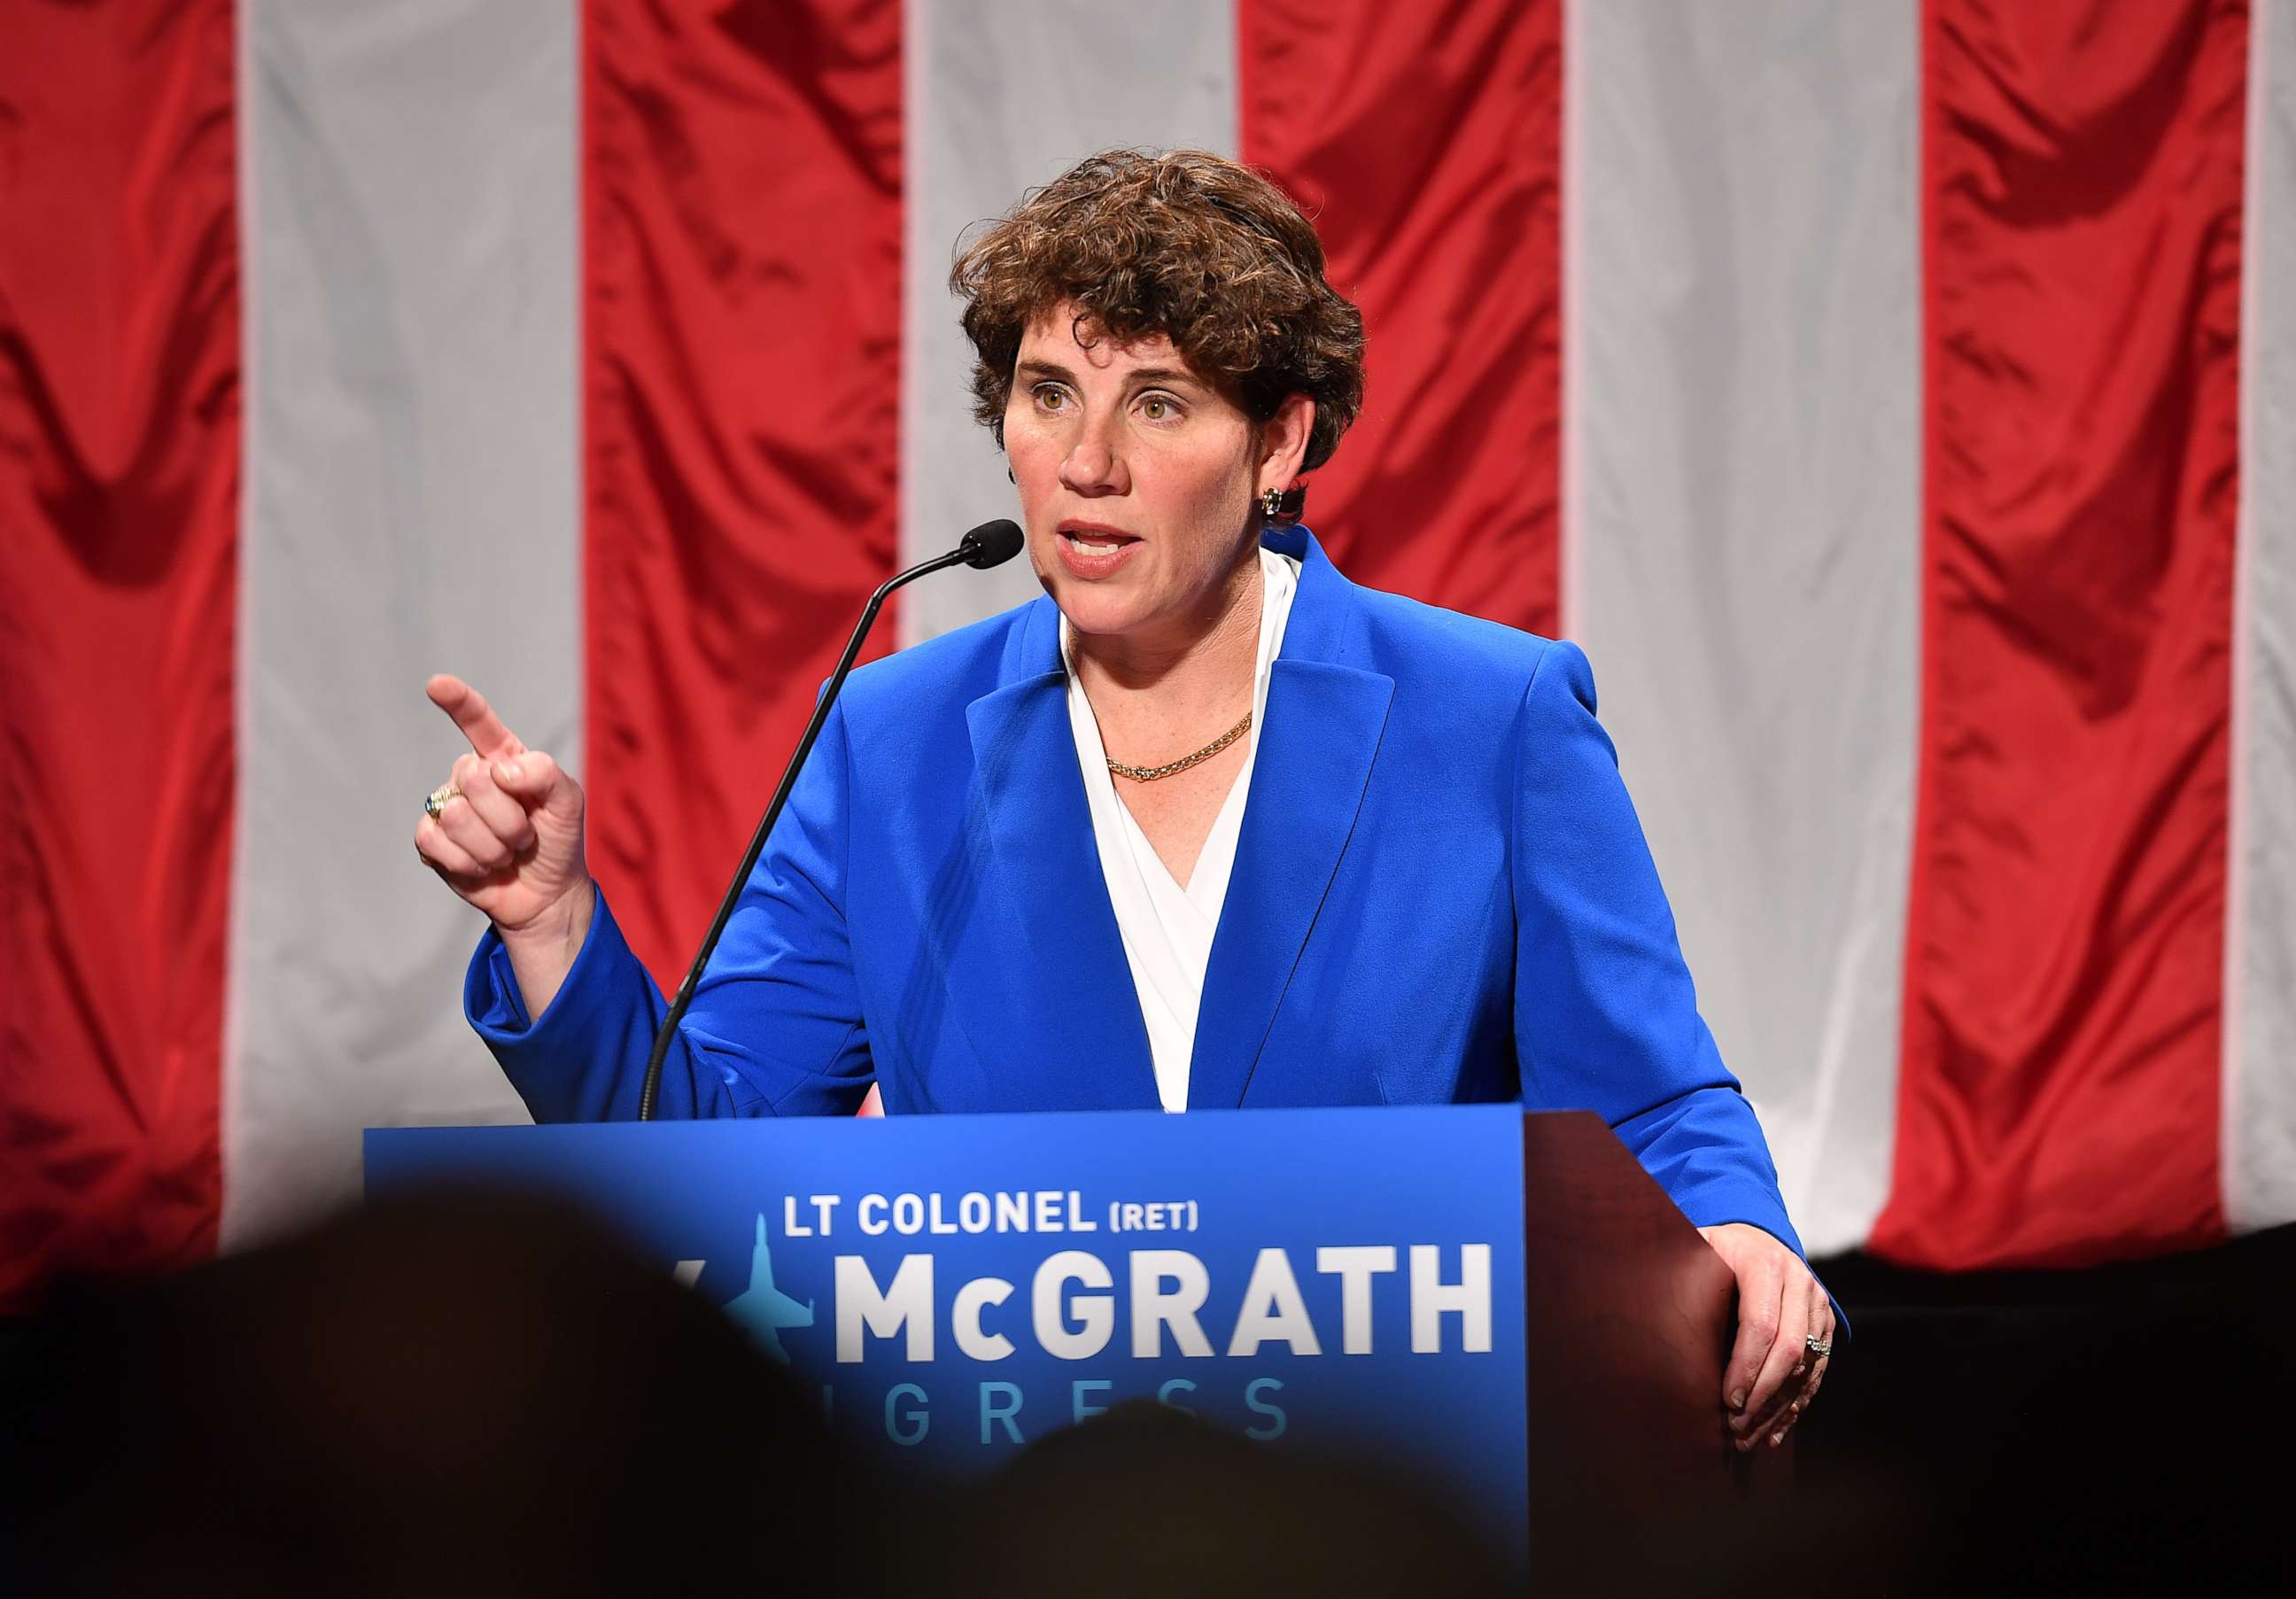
{"x": 510, "y": 840}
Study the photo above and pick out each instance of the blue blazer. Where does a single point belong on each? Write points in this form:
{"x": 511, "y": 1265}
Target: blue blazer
{"x": 1440, "y": 894}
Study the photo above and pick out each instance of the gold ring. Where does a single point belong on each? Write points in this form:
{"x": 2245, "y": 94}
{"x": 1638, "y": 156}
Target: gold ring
{"x": 438, "y": 799}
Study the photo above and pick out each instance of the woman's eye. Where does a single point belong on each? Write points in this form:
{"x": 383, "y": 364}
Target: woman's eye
{"x": 1050, "y": 398}
{"x": 1155, "y": 408}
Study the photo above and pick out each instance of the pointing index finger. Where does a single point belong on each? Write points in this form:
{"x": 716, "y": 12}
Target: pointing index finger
{"x": 489, "y": 739}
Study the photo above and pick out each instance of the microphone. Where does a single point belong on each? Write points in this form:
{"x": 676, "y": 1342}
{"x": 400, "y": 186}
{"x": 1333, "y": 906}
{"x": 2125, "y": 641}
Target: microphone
{"x": 991, "y": 544}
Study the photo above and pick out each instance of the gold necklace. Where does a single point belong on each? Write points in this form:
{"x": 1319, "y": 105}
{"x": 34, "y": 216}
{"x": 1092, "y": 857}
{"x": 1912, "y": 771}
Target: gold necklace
{"x": 1150, "y": 774}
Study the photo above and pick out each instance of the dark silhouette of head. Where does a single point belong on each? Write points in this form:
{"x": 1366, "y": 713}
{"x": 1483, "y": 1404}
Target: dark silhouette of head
{"x": 460, "y": 1394}
{"x": 1146, "y": 1500}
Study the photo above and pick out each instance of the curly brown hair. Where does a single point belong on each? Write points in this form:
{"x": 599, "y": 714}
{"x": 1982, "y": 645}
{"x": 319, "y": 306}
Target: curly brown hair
{"x": 1184, "y": 243}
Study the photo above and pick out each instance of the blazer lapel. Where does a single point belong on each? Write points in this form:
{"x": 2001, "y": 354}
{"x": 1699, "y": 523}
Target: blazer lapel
{"x": 1324, "y": 722}
{"x": 1075, "y": 1019}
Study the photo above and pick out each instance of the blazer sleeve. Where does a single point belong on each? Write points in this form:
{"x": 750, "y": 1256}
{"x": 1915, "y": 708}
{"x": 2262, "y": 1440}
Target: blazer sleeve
{"x": 1605, "y": 1016}
{"x": 775, "y": 1027}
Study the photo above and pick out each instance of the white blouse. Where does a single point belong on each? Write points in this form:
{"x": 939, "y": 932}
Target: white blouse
{"x": 1167, "y": 930}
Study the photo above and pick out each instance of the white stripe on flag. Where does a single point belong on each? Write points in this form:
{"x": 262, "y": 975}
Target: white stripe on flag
{"x": 2259, "y": 1098}
{"x": 411, "y": 505}
{"x": 1744, "y": 517}
{"x": 1004, "y": 96}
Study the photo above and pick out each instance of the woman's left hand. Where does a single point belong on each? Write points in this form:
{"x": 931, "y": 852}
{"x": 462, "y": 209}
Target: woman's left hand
{"x": 1772, "y": 1374}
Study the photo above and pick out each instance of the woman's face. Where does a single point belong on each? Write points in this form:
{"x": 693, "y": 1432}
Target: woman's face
{"x": 1137, "y": 480}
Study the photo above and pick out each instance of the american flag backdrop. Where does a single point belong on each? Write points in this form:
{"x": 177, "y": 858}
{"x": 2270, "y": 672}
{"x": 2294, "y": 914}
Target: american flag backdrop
{"x": 1897, "y": 398}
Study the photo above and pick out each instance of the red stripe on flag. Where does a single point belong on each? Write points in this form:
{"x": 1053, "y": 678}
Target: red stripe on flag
{"x": 743, "y": 256}
{"x": 119, "y": 430}
{"x": 2058, "y": 1092}
{"x": 1426, "y": 143}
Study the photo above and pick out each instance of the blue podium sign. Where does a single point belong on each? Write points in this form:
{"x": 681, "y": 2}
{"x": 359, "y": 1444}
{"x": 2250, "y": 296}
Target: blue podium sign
{"x": 955, "y": 1287}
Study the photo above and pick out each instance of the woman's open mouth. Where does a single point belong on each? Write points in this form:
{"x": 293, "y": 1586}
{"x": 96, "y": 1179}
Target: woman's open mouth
{"x": 1091, "y": 550}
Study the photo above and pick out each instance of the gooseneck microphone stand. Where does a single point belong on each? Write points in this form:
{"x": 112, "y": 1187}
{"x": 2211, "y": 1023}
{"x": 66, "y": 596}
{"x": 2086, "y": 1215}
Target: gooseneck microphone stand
{"x": 991, "y": 544}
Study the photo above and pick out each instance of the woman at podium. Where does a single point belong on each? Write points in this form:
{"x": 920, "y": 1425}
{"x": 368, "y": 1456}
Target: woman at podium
{"x": 1206, "y": 827}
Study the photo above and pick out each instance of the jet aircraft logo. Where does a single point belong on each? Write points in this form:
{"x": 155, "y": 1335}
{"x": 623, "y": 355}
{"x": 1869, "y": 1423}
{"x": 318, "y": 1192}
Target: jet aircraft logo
{"x": 763, "y": 1308}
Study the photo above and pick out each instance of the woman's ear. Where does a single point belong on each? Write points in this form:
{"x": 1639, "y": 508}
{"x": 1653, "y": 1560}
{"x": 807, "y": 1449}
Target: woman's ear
{"x": 1283, "y": 441}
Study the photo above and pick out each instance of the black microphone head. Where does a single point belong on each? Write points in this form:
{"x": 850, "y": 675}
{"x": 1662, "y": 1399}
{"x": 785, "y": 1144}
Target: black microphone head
{"x": 992, "y": 544}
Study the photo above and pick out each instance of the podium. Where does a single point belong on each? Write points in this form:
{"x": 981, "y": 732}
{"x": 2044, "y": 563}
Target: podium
{"x": 1502, "y": 1299}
